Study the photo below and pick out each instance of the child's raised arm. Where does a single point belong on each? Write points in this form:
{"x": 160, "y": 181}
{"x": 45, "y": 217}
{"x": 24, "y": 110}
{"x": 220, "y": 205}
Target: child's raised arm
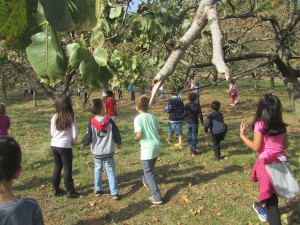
{"x": 255, "y": 145}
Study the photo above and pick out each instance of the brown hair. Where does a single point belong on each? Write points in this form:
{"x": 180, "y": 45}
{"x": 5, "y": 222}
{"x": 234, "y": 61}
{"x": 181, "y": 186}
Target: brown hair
{"x": 215, "y": 105}
{"x": 64, "y": 111}
{"x": 192, "y": 96}
{"x": 143, "y": 103}
{"x": 96, "y": 106}
{"x": 2, "y": 109}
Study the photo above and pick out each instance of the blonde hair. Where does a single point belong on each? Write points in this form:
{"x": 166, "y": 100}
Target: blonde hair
{"x": 2, "y": 109}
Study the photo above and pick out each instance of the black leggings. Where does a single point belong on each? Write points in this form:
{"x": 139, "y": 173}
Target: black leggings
{"x": 63, "y": 158}
{"x": 272, "y": 210}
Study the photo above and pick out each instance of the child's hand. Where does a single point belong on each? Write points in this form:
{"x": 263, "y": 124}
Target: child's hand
{"x": 243, "y": 128}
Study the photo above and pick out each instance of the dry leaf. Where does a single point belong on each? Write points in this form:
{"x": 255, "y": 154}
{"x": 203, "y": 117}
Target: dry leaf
{"x": 92, "y": 204}
{"x": 185, "y": 198}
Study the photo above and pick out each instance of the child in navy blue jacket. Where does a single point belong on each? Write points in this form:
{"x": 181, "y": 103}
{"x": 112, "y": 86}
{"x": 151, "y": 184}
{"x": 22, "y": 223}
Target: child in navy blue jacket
{"x": 218, "y": 129}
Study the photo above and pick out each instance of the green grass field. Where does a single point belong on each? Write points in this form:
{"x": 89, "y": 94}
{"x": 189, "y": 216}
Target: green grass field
{"x": 196, "y": 190}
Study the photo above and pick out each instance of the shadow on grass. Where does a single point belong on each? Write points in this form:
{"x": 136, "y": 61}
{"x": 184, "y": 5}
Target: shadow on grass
{"x": 138, "y": 207}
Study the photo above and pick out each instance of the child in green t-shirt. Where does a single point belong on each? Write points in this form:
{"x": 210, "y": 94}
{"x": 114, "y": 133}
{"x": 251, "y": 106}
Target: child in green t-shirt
{"x": 147, "y": 131}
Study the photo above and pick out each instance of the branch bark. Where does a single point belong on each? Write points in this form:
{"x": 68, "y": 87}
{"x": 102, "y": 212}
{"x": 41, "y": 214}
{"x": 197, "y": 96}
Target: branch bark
{"x": 206, "y": 11}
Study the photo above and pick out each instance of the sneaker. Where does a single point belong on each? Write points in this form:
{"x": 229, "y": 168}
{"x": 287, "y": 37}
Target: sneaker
{"x": 194, "y": 153}
{"x": 180, "y": 146}
{"x": 260, "y": 212}
{"x": 116, "y": 197}
{"x": 155, "y": 201}
{"x": 98, "y": 193}
{"x": 169, "y": 142}
{"x": 236, "y": 101}
{"x": 73, "y": 194}
{"x": 232, "y": 104}
{"x": 144, "y": 182}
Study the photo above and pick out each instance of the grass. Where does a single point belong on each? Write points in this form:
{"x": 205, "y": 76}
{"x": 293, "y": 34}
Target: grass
{"x": 196, "y": 190}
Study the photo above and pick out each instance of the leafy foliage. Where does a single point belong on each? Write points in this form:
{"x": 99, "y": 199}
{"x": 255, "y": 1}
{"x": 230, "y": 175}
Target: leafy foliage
{"x": 13, "y": 18}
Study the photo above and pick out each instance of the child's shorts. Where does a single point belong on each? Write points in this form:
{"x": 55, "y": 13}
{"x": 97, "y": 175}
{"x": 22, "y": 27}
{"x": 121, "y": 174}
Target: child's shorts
{"x": 175, "y": 125}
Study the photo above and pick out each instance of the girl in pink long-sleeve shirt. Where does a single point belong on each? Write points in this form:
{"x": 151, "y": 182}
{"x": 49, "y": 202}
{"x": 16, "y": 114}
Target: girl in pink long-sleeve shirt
{"x": 269, "y": 141}
{"x": 4, "y": 121}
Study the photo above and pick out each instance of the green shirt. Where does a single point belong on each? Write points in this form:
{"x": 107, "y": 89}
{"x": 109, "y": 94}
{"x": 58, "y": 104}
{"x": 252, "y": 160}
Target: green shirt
{"x": 150, "y": 141}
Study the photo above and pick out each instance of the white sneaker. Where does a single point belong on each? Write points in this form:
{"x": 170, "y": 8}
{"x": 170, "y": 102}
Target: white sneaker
{"x": 232, "y": 104}
{"x": 180, "y": 146}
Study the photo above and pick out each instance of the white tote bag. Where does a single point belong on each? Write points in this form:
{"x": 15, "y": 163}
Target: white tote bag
{"x": 284, "y": 183}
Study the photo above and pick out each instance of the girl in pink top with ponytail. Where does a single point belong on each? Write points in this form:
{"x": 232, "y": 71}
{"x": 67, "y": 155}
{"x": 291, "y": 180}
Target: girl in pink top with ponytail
{"x": 270, "y": 142}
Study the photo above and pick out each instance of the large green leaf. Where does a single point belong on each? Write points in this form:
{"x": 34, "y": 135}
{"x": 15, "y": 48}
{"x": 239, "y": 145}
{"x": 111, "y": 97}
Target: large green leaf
{"x": 115, "y": 12}
{"x": 89, "y": 69}
{"x": 69, "y": 15}
{"x": 101, "y": 56}
{"x": 46, "y": 56}
{"x": 97, "y": 39}
{"x": 78, "y": 55}
{"x": 13, "y": 18}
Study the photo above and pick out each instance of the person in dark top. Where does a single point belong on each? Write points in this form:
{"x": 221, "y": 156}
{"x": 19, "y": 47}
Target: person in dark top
{"x": 175, "y": 109}
{"x": 192, "y": 111}
{"x": 14, "y": 210}
{"x": 218, "y": 129}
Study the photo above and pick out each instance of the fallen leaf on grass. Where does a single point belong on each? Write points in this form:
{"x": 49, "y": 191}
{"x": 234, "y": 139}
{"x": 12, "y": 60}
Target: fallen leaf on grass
{"x": 92, "y": 204}
{"x": 185, "y": 198}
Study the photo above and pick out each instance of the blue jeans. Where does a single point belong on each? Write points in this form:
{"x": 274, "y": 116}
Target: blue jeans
{"x": 175, "y": 125}
{"x": 192, "y": 135}
{"x": 109, "y": 164}
{"x": 148, "y": 167}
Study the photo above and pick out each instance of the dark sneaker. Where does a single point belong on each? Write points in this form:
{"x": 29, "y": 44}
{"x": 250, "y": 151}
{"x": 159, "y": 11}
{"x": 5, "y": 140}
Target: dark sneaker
{"x": 98, "y": 193}
{"x": 144, "y": 182}
{"x": 116, "y": 197}
{"x": 260, "y": 212}
{"x": 73, "y": 194}
{"x": 57, "y": 192}
{"x": 155, "y": 200}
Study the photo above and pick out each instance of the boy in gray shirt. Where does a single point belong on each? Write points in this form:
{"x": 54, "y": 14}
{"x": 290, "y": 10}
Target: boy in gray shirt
{"x": 102, "y": 133}
{"x": 14, "y": 211}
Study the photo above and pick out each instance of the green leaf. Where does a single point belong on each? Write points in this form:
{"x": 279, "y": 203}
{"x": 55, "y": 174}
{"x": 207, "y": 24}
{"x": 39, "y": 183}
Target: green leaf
{"x": 46, "y": 56}
{"x": 67, "y": 15}
{"x": 101, "y": 56}
{"x": 89, "y": 69}
{"x": 115, "y": 12}
{"x": 71, "y": 48}
{"x": 134, "y": 63}
{"x": 97, "y": 39}
{"x": 79, "y": 55}
{"x": 13, "y": 18}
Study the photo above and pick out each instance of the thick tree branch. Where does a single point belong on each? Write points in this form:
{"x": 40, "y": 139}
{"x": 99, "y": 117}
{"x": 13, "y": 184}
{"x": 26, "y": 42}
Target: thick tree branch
{"x": 246, "y": 56}
{"x": 205, "y": 8}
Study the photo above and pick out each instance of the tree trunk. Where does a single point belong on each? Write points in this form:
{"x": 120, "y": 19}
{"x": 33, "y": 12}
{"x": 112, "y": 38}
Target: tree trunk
{"x": 272, "y": 83}
{"x": 34, "y": 98}
{"x": 4, "y": 94}
{"x": 253, "y": 75}
{"x": 291, "y": 83}
{"x": 48, "y": 94}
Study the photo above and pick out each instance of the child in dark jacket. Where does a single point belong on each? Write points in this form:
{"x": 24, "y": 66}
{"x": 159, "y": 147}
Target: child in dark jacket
{"x": 101, "y": 133}
{"x": 218, "y": 129}
{"x": 192, "y": 111}
{"x": 175, "y": 109}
